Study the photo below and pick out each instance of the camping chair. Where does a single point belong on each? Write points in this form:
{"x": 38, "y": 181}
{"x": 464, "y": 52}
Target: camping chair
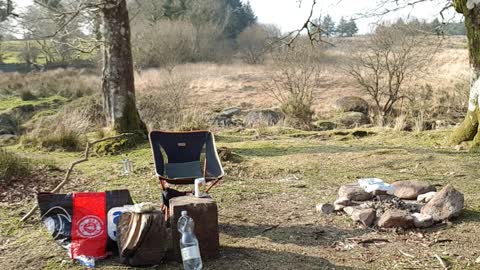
{"x": 178, "y": 158}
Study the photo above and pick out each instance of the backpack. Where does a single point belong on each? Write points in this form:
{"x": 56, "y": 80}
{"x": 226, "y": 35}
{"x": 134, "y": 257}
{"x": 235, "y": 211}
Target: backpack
{"x": 142, "y": 238}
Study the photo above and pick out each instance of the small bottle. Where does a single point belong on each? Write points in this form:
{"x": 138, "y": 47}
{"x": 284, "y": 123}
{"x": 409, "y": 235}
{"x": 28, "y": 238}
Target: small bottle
{"x": 188, "y": 243}
{"x": 127, "y": 166}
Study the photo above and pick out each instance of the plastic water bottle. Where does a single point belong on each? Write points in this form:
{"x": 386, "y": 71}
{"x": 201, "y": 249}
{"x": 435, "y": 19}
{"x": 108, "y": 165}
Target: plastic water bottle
{"x": 188, "y": 243}
{"x": 127, "y": 166}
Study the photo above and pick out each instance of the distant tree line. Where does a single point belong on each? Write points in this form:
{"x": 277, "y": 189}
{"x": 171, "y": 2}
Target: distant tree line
{"x": 328, "y": 28}
{"x": 169, "y": 32}
{"x": 435, "y": 26}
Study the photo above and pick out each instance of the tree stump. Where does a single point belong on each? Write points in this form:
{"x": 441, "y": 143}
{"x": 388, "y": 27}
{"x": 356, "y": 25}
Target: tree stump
{"x": 204, "y": 212}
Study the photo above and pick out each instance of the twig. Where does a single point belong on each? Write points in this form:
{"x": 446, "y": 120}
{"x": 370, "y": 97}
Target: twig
{"x": 406, "y": 254}
{"x": 368, "y": 241}
{"x": 442, "y": 262}
{"x": 70, "y": 169}
{"x": 270, "y": 228}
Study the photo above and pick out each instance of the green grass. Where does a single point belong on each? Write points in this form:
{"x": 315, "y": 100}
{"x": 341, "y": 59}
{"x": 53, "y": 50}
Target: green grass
{"x": 278, "y": 183}
{"x": 12, "y": 102}
{"x": 11, "y": 51}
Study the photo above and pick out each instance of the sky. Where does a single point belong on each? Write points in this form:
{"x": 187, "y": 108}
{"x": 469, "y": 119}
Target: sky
{"x": 290, "y": 15}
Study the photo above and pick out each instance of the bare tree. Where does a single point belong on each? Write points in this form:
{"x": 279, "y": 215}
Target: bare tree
{"x": 294, "y": 81}
{"x": 393, "y": 56}
{"x": 470, "y": 9}
{"x": 118, "y": 86}
{"x": 163, "y": 44}
{"x": 29, "y": 53}
{"x": 256, "y": 41}
{"x": 6, "y": 9}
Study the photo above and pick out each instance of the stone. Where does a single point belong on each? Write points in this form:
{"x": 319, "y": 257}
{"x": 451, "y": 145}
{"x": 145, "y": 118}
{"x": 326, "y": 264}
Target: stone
{"x": 352, "y": 104}
{"x": 263, "y": 117}
{"x": 353, "y": 119}
{"x": 394, "y": 218}
{"x": 422, "y": 221}
{"x": 325, "y": 208}
{"x": 204, "y": 213}
{"x": 447, "y": 203}
{"x": 425, "y": 198}
{"x": 222, "y": 121}
{"x": 229, "y": 112}
{"x": 354, "y": 192}
{"x": 325, "y": 125}
{"x": 8, "y": 139}
{"x": 410, "y": 189}
{"x": 477, "y": 261}
{"x": 8, "y": 125}
{"x": 349, "y": 210}
{"x": 341, "y": 203}
{"x": 364, "y": 216}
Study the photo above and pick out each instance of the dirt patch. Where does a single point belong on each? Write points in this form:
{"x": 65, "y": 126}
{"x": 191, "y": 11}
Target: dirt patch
{"x": 21, "y": 187}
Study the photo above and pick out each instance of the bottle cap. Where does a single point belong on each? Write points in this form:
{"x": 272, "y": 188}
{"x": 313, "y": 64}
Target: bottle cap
{"x": 184, "y": 213}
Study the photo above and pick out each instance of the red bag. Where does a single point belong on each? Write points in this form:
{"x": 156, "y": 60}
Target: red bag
{"x": 84, "y": 223}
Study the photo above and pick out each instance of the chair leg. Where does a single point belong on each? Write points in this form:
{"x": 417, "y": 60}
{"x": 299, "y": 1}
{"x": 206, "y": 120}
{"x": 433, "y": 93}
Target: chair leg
{"x": 165, "y": 212}
{"x": 212, "y": 185}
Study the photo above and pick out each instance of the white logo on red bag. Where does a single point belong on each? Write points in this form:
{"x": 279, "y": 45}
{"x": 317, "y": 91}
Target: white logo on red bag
{"x": 90, "y": 226}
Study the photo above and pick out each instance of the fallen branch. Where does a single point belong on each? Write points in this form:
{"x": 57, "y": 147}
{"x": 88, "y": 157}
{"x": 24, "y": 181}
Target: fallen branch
{"x": 70, "y": 169}
{"x": 442, "y": 262}
{"x": 270, "y": 228}
{"x": 407, "y": 254}
{"x": 368, "y": 241}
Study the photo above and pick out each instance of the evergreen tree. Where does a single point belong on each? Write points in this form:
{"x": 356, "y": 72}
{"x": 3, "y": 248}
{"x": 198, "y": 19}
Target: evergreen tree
{"x": 241, "y": 16}
{"x": 351, "y": 29}
{"x": 342, "y": 28}
{"x": 328, "y": 26}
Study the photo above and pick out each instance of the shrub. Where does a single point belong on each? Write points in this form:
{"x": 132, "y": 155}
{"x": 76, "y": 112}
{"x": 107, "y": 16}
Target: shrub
{"x": 256, "y": 41}
{"x": 163, "y": 44}
{"x": 12, "y": 165}
{"x": 294, "y": 82}
{"x": 66, "y": 129}
{"x": 27, "y": 95}
{"x": 63, "y": 82}
{"x": 392, "y": 57}
{"x": 64, "y": 139}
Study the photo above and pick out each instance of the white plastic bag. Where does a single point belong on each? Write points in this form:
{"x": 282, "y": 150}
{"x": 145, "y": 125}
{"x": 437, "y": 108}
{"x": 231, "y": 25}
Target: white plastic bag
{"x": 375, "y": 184}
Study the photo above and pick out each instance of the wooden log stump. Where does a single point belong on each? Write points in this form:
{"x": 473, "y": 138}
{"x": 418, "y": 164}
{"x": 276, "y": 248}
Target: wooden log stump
{"x": 204, "y": 212}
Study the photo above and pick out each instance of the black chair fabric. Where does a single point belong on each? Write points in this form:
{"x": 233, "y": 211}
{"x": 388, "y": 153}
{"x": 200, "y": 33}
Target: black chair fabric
{"x": 182, "y": 150}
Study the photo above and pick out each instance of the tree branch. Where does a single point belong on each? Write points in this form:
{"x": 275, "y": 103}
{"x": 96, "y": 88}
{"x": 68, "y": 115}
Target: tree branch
{"x": 70, "y": 169}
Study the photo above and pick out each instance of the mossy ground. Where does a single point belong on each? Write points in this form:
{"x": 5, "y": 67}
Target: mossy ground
{"x": 12, "y": 102}
{"x": 267, "y": 202}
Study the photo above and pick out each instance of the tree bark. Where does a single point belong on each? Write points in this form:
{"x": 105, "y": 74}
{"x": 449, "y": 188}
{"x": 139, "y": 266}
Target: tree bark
{"x": 118, "y": 78}
{"x": 470, "y": 129}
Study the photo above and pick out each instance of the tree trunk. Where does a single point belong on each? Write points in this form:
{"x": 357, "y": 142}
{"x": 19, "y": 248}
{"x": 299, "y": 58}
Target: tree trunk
{"x": 118, "y": 79}
{"x": 469, "y": 129}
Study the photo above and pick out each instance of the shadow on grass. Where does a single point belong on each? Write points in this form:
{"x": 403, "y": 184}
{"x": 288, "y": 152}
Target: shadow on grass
{"x": 301, "y": 235}
{"x": 252, "y": 258}
{"x": 273, "y": 150}
{"x": 468, "y": 216}
{"x": 248, "y": 258}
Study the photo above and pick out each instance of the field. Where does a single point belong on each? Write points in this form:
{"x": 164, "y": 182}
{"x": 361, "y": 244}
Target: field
{"x": 267, "y": 200}
{"x": 267, "y": 203}
{"x": 11, "y": 52}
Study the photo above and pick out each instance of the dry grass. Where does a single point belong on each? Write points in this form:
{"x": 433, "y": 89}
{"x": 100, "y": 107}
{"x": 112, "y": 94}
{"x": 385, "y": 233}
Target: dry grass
{"x": 66, "y": 129}
{"x": 66, "y": 83}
